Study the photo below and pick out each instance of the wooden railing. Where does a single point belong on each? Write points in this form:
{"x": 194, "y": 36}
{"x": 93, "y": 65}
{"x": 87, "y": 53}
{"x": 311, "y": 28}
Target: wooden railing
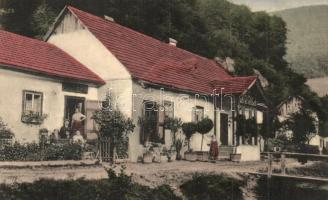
{"x": 281, "y": 158}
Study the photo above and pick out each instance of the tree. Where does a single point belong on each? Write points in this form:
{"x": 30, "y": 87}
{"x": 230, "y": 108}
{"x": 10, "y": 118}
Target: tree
{"x": 302, "y": 124}
{"x": 42, "y": 19}
{"x": 113, "y": 124}
{"x": 5, "y": 132}
{"x": 204, "y": 126}
{"x": 174, "y": 124}
{"x": 189, "y": 129}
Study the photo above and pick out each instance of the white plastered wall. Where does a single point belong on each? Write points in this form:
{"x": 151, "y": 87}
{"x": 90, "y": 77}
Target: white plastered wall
{"x": 183, "y": 104}
{"x": 12, "y": 85}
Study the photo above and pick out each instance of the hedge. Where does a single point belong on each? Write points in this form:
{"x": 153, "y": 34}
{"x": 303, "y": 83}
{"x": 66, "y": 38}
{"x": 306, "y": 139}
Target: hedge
{"x": 34, "y": 152}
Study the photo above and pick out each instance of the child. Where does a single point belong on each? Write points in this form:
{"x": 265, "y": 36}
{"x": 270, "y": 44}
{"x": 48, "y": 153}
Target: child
{"x": 54, "y": 137}
{"x": 78, "y": 138}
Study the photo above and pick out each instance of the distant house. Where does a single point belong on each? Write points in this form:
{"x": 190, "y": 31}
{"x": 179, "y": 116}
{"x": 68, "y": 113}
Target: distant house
{"x": 153, "y": 80}
{"x": 38, "y": 80}
{"x": 291, "y": 105}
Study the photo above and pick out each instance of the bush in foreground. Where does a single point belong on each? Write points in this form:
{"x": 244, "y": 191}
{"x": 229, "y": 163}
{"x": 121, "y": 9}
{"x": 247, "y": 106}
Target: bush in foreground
{"x": 212, "y": 187}
{"x": 278, "y": 188}
{"x": 117, "y": 187}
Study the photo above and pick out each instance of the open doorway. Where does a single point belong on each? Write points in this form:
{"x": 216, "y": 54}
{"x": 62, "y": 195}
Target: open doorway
{"x": 71, "y": 103}
{"x": 224, "y": 128}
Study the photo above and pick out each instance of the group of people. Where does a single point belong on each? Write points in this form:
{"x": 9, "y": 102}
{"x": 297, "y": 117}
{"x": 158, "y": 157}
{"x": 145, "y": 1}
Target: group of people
{"x": 73, "y": 132}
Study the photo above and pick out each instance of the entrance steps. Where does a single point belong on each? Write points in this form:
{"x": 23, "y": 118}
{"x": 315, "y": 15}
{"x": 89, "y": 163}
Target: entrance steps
{"x": 225, "y": 151}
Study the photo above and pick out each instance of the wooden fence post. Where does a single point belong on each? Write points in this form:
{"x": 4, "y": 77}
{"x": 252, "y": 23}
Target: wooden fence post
{"x": 283, "y": 163}
{"x": 269, "y": 165}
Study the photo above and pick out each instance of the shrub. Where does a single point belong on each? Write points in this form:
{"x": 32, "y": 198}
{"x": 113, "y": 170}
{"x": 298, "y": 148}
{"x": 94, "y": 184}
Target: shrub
{"x": 20, "y": 152}
{"x": 5, "y": 132}
{"x": 278, "y": 188}
{"x": 33, "y": 152}
{"x": 189, "y": 129}
{"x": 118, "y": 187}
{"x": 174, "y": 124}
{"x": 204, "y": 126}
{"x": 113, "y": 124}
{"x": 212, "y": 187}
{"x": 62, "y": 152}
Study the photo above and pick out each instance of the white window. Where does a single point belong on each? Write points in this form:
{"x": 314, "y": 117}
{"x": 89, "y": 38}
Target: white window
{"x": 169, "y": 109}
{"x": 32, "y": 102}
{"x": 198, "y": 113}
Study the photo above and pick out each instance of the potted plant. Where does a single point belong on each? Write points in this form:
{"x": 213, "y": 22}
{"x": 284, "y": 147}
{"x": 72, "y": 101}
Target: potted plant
{"x": 174, "y": 124}
{"x": 164, "y": 155}
{"x": 203, "y": 127}
{"x": 190, "y": 156}
{"x": 33, "y": 118}
{"x": 189, "y": 129}
{"x": 148, "y": 156}
{"x": 178, "y": 147}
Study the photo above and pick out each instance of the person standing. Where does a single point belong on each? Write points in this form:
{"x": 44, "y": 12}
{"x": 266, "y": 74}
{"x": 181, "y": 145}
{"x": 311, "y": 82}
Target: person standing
{"x": 77, "y": 121}
{"x": 214, "y": 148}
{"x": 65, "y": 130}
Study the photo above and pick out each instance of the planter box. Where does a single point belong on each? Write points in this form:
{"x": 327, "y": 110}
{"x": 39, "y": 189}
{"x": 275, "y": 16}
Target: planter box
{"x": 173, "y": 157}
{"x": 147, "y": 158}
{"x": 190, "y": 156}
{"x": 164, "y": 158}
{"x": 202, "y": 156}
{"x": 235, "y": 157}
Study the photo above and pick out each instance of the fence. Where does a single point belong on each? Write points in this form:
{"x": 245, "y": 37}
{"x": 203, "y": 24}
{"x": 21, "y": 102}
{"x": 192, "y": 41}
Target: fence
{"x": 104, "y": 153}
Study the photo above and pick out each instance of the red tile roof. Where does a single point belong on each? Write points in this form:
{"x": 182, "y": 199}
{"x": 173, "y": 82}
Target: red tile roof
{"x": 157, "y": 62}
{"x": 26, "y": 54}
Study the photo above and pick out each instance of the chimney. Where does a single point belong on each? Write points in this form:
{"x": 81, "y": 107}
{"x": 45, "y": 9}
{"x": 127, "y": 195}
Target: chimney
{"x": 173, "y": 42}
{"x": 108, "y": 18}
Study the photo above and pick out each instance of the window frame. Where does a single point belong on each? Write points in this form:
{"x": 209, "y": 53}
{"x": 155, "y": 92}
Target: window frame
{"x": 194, "y": 114}
{"x": 24, "y": 111}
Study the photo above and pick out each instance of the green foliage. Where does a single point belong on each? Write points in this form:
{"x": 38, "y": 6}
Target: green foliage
{"x": 189, "y": 129}
{"x": 278, "y": 188}
{"x": 33, "y": 152}
{"x": 113, "y": 124}
{"x": 118, "y": 186}
{"x": 174, "y": 124}
{"x": 42, "y": 19}
{"x": 204, "y": 126}
{"x": 246, "y": 127}
{"x": 5, "y": 132}
{"x": 212, "y": 187}
{"x": 302, "y": 124}
{"x": 178, "y": 146}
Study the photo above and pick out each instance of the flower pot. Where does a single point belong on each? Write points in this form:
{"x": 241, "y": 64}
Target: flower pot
{"x": 172, "y": 157}
{"x": 235, "y": 157}
{"x": 148, "y": 158}
{"x": 190, "y": 156}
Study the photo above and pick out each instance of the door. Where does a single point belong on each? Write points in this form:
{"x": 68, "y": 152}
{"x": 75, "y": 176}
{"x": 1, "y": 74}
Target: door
{"x": 150, "y": 122}
{"x": 71, "y": 103}
{"x": 224, "y": 128}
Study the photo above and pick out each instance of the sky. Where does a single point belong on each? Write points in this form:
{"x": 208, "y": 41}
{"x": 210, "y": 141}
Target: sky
{"x": 274, "y": 5}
